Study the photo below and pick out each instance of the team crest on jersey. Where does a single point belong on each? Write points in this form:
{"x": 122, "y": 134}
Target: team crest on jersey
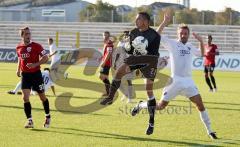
{"x": 29, "y": 49}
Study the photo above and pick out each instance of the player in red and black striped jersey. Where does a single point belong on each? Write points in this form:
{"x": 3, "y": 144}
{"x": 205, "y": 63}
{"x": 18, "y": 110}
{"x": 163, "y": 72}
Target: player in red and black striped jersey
{"x": 30, "y": 56}
{"x": 106, "y": 61}
{"x": 211, "y": 50}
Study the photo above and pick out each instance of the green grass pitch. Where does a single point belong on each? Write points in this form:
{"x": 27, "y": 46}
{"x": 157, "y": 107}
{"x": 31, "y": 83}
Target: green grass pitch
{"x": 178, "y": 125}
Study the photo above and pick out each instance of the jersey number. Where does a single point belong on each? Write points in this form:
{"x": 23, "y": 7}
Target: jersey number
{"x": 45, "y": 79}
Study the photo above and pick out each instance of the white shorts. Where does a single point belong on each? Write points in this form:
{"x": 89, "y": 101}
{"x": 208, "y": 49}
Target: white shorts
{"x": 179, "y": 86}
{"x": 47, "y": 86}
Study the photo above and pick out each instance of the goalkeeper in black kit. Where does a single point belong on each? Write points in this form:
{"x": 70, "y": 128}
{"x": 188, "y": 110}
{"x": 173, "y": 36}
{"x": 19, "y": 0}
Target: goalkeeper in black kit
{"x": 143, "y": 48}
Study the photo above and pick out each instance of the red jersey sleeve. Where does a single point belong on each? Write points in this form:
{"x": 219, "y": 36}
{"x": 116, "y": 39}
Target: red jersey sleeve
{"x": 41, "y": 51}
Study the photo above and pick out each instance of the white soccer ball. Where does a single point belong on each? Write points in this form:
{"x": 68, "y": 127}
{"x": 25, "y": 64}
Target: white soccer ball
{"x": 140, "y": 44}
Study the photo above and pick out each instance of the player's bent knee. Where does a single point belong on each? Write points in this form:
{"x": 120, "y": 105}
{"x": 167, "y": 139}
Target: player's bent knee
{"x": 201, "y": 108}
{"x": 120, "y": 73}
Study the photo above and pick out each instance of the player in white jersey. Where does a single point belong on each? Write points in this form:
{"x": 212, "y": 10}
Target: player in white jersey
{"x": 181, "y": 53}
{"x": 54, "y": 54}
{"x": 55, "y": 59}
{"x": 119, "y": 55}
{"x": 47, "y": 83}
{"x": 47, "y": 80}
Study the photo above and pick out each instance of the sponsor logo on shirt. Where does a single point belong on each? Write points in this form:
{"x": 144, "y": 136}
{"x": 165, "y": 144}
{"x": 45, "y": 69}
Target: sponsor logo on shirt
{"x": 29, "y": 49}
{"x": 25, "y": 55}
{"x": 184, "y": 52}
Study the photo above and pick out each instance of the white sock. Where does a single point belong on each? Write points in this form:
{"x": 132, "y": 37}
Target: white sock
{"x": 206, "y": 121}
{"x": 123, "y": 89}
{"x": 18, "y": 87}
{"x": 130, "y": 92}
{"x": 143, "y": 105}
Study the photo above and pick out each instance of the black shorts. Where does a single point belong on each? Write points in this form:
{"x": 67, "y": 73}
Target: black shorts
{"x": 105, "y": 70}
{"x": 147, "y": 64}
{"x": 33, "y": 80}
{"x": 209, "y": 68}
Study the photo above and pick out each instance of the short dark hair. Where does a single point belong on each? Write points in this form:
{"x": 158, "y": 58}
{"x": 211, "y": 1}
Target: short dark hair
{"x": 107, "y": 32}
{"x": 209, "y": 36}
{"x": 50, "y": 39}
{"x": 47, "y": 69}
{"x": 145, "y": 15}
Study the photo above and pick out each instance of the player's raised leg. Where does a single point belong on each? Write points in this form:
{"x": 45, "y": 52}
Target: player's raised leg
{"x": 116, "y": 82}
{"x": 144, "y": 105}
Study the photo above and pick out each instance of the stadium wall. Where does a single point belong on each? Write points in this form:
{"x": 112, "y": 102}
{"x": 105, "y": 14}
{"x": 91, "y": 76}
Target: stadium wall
{"x": 224, "y": 62}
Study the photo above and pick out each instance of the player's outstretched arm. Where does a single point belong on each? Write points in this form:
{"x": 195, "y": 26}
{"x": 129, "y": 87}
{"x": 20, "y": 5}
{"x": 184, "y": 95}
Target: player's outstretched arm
{"x": 50, "y": 55}
{"x": 201, "y": 44}
{"x": 166, "y": 20}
